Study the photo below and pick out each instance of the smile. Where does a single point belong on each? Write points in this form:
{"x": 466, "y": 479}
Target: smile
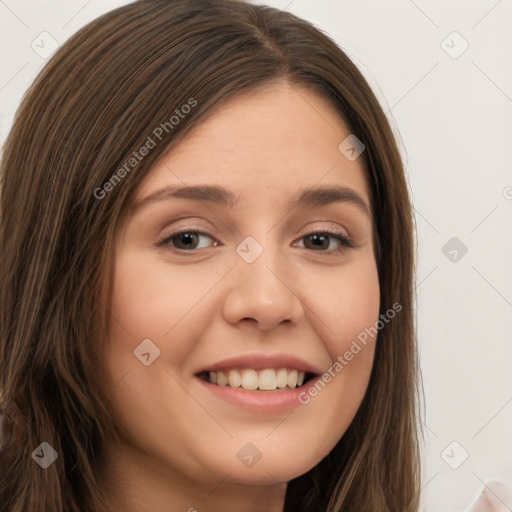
{"x": 268, "y": 379}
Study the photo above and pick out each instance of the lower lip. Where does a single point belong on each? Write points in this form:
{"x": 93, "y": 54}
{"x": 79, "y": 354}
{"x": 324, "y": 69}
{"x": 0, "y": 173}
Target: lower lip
{"x": 259, "y": 401}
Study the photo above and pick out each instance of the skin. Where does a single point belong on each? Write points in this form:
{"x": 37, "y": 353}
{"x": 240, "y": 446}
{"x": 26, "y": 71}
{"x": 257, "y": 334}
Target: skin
{"x": 180, "y": 444}
{"x": 495, "y": 497}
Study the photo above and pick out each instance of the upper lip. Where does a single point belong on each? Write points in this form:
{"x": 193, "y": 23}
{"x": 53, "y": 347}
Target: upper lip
{"x": 262, "y": 360}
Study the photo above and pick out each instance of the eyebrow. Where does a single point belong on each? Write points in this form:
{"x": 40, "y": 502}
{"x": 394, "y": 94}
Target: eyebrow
{"x": 307, "y": 197}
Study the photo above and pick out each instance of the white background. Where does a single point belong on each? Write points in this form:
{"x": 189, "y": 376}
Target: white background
{"x": 453, "y": 120}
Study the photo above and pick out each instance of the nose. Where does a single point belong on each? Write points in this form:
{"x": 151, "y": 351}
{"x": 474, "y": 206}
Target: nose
{"x": 262, "y": 291}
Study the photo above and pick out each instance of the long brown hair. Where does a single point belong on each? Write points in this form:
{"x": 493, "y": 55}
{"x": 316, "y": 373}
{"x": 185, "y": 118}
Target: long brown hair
{"x": 95, "y": 103}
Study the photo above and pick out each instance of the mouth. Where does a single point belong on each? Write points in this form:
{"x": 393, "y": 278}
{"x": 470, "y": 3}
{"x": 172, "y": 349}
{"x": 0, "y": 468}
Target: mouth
{"x": 250, "y": 379}
{"x": 258, "y": 382}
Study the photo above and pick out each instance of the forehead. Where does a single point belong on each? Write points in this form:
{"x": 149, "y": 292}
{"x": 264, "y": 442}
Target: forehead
{"x": 263, "y": 146}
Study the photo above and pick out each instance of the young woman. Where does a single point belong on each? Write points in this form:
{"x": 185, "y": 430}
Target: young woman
{"x": 206, "y": 280}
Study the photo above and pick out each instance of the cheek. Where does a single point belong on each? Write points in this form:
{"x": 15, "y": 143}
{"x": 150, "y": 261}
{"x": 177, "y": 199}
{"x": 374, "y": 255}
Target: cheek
{"x": 150, "y": 301}
{"x": 346, "y": 312}
{"x": 139, "y": 302}
{"x": 347, "y": 304}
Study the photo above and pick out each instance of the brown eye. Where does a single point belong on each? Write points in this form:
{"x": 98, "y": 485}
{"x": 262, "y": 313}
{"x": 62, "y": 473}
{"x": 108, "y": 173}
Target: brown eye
{"x": 321, "y": 241}
{"x": 185, "y": 240}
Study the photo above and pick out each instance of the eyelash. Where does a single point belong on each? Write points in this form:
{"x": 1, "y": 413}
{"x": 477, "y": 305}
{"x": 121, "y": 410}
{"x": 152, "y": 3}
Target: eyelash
{"x": 345, "y": 242}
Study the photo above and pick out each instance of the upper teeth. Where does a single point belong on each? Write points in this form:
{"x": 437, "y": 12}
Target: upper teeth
{"x": 268, "y": 379}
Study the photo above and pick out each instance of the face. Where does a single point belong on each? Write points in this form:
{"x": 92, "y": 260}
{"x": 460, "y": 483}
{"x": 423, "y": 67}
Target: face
{"x": 237, "y": 295}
